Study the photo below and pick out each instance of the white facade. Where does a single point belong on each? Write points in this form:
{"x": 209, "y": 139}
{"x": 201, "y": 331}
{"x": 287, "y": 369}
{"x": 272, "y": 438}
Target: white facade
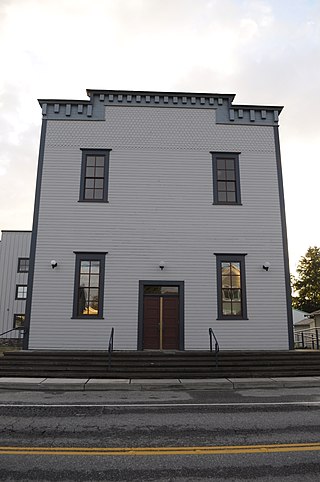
{"x": 14, "y": 246}
{"x": 160, "y": 207}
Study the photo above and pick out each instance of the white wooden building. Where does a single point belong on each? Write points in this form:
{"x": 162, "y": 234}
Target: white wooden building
{"x": 161, "y": 215}
{"x": 14, "y": 267}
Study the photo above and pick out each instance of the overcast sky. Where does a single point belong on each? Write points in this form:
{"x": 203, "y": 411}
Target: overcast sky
{"x": 264, "y": 51}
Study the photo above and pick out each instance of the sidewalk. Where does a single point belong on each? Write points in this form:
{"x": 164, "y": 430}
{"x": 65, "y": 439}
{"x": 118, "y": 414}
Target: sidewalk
{"x": 91, "y": 384}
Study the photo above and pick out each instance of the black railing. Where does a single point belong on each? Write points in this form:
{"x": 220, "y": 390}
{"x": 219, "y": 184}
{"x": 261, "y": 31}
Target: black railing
{"x": 216, "y": 345}
{"x": 21, "y": 330}
{"x": 110, "y": 348}
{"x": 308, "y": 338}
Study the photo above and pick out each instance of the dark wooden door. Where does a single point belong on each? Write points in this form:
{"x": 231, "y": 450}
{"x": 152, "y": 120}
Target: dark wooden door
{"x": 170, "y": 323}
{"x": 151, "y": 323}
{"x": 161, "y": 322}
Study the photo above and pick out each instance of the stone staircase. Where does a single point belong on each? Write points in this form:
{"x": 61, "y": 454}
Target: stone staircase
{"x": 148, "y": 364}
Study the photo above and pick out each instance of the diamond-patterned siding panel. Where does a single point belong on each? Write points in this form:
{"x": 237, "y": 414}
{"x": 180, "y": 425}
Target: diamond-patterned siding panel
{"x": 158, "y": 128}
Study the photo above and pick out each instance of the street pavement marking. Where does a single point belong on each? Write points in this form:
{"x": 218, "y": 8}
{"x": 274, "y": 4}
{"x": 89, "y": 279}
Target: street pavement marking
{"x": 157, "y": 405}
{"x": 149, "y": 451}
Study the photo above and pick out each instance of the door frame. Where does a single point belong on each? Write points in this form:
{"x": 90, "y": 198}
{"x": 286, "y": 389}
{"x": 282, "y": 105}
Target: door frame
{"x": 142, "y": 284}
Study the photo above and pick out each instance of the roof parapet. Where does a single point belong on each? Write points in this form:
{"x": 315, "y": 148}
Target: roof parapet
{"x": 94, "y": 108}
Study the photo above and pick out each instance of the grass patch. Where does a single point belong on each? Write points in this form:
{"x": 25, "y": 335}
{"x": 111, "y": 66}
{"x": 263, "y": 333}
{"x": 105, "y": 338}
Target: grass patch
{"x": 3, "y": 349}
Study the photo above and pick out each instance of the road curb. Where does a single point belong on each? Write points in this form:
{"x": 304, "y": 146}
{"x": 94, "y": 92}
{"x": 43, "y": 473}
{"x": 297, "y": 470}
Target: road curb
{"x": 64, "y": 384}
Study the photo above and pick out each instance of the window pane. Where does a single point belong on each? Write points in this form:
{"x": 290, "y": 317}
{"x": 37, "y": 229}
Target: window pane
{"x": 236, "y": 308}
{"x": 90, "y": 172}
{"x": 152, "y": 290}
{"x": 99, "y": 172}
{"x": 231, "y": 186}
{"x": 21, "y": 292}
{"x": 82, "y": 299}
{"x": 94, "y": 280}
{"x": 235, "y": 267}
{"x": 93, "y": 294}
{"x": 225, "y": 264}
{"x": 89, "y": 194}
{"x": 226, "y": 294}
{"x": 89, "y": 183}
{"x": 95, "y": 266}
{"x": 229, "y": 163}
{"x": 84, "y": 280}
{"x": 222, "y": 186}
{"x": 226, "y": 308}
{"x": 236, "y": 282}
{"x": 85, "y": 266}
{"x": 221, "y": 164}
{"x": 222, "y": 175}
{"x": 100, "y": 161}
{"x": 90, "y": 161}
{"x": 236, "y": 294}
{"x": 18, "y": 321}
{"x": 171, "y": 290}
{"x": 161, "y": 290}
{"x": 226, "y": 281}
{"x": 23, "y": 265}
{"x": 231, "y": 197}
{"x": 98, "y": 184}
{"x": 230, "y": 175}
{"x": 98, "y": 194}
{"x": 93, "y": 308}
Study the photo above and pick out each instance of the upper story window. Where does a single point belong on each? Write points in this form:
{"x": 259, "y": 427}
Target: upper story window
{"x": 231, "y": 284}
{"x": 89, "y": 285}
{"x": 226, "y": 178}
{"x": 21, "y": 292}
{"x": 94, "y": 175}
{"x": 23, "y": 265}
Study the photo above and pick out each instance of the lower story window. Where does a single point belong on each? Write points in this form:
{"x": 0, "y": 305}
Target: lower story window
{"x": 89, "y": 285}
{"x": 231, "y": 286}
{"x": 21, "y": 292}
{"x": 18, "y": 320}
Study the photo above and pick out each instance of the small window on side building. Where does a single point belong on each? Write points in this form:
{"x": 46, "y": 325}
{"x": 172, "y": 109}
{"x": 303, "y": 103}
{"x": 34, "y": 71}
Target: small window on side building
{"x": 18, "y": 320}
{"x": 23, "y": 265}
{"x": 21, "y": 292}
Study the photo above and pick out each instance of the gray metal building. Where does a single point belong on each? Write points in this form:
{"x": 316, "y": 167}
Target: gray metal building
{"x": 14, "y": 267}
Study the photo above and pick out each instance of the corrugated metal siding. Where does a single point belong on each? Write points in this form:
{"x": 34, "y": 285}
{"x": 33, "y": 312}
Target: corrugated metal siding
{"x": 14, "y": 245}
{"x": 160, "y": 207}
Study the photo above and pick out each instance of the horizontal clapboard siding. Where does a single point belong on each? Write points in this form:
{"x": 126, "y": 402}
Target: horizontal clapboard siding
{"x": 14, "y": 245}
{"x": 160, "y": 207}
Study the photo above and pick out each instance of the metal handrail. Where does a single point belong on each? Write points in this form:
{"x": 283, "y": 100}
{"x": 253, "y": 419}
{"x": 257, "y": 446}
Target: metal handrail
{"x": 308, "y": 338}
{"x": 12, "y": 329}
{"x": 216, "y": 345}
{"x": 110, "y": 348}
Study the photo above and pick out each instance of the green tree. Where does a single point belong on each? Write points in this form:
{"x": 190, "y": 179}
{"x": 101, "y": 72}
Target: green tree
{"x": 306, "y": 284}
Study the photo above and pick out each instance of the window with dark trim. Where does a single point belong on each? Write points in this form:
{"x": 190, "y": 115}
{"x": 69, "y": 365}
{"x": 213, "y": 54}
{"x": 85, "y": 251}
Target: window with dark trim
{"x": 21, "y": 292}
{"x": 94, "y": 175}
{"x": 23, "y": 265}
{"x": 226, "y": 178}
{"x": 18, "y": 320}
{"x": 231, "y": 285}
{"x": 89, "y": 285}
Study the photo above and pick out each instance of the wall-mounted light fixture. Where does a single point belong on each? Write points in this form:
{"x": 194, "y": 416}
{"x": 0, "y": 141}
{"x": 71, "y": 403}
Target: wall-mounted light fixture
{"x": 161, "y": 265}
{"x": 54, "y": 264}
{"x": 266, "y": 265}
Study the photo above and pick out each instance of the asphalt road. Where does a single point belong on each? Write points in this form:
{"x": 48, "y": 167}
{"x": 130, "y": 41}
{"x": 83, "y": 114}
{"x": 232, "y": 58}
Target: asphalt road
{"x": 265, "y": 435}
